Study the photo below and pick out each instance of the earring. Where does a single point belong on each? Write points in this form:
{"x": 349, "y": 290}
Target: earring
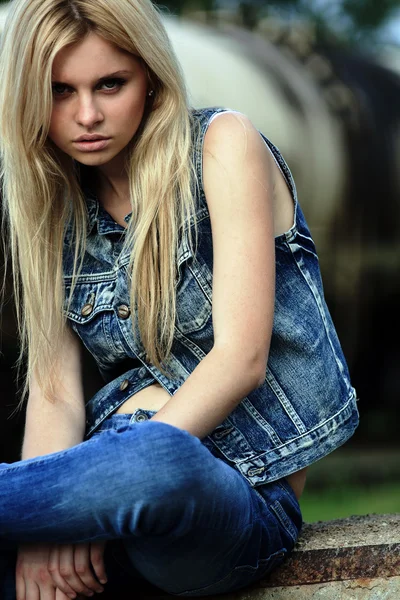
{"x": 150, "y": 93}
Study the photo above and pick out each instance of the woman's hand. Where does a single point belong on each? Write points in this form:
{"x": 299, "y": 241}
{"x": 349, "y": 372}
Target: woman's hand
{"x": 33, "y": 579}
{"x": 78, "y": 568}
{"x": 59, "y": 572}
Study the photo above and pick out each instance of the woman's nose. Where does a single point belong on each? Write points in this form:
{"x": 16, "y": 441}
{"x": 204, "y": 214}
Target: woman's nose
{"x": 88, "y": 112}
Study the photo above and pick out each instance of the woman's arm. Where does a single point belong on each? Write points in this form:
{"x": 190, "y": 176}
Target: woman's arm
{"x": 53, "y": 426}
{"x": 58, "y": 570}
{"x": 239, "y": 186}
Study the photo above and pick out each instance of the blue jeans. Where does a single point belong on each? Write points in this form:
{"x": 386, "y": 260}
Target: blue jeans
{"x": 173, "y": 513}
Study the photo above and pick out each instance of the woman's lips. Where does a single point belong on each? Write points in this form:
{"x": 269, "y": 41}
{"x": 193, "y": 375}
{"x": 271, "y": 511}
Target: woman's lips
{"x": 91, "y": 146}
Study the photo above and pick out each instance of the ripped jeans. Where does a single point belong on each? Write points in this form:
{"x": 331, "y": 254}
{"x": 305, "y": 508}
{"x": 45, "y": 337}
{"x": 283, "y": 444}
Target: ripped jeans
{"x": 173, "y": 514}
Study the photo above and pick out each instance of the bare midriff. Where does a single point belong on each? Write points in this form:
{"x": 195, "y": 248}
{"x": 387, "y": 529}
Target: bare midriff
{"x": 154, "y": 397}
{"x": 297, "y": 481}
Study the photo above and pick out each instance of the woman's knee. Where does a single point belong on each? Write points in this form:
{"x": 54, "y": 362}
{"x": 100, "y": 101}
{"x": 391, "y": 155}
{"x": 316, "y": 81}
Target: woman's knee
{"x": 172, "y": 459}
{"x": 158, "y": 475}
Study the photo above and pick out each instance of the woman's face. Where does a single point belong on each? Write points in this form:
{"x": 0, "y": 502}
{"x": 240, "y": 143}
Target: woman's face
{"x": 99, "y": 97}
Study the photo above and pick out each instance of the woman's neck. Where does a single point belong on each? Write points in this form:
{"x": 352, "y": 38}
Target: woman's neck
{"x": 112, "y": 187}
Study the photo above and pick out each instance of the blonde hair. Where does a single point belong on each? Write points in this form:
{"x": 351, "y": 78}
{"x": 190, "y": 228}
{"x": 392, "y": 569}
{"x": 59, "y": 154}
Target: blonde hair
{"x": 41, "y": 189}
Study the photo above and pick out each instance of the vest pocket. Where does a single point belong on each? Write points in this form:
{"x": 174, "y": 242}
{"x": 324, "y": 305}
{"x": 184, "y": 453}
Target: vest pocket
{"x": 88, "y": 313}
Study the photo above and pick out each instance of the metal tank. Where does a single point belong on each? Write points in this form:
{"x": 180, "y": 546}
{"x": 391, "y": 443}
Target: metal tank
{"x": 231, "y": 67}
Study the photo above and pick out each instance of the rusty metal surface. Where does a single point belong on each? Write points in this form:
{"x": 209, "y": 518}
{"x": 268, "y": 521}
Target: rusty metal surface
{"x": 362, "y": 530}
{"x": 318, "y": 566}
{"x": 354, "y": 589}
{"x": 343, "y": 549}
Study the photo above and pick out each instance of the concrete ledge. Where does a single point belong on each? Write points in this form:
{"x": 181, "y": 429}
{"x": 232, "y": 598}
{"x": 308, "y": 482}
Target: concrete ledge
{"x": 346, "y": 559}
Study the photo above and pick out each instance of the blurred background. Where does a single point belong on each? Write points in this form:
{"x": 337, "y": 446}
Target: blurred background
{"x": 320, "y": 78}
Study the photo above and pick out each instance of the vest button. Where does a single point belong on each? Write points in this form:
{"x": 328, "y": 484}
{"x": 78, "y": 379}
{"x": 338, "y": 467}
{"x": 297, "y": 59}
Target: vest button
{"x": 141, "y": 417}
{"x": 124, "y": 385}
{"x": 123, "y": 311}
{"x": 87, "y": 309}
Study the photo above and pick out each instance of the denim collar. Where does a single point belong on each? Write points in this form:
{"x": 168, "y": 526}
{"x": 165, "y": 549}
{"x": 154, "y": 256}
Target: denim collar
{"x": 98, "y": 215}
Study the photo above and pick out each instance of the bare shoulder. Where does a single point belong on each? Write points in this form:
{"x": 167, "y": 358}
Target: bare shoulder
{"x": 236, "y": 167}
{"x": 233, "y": 135}
{"x": 237, "y": 157}
{"x": 229, "y": 121}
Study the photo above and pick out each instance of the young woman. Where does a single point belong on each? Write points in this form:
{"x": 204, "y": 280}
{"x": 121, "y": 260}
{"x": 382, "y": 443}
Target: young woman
{"x": 170, "y": 243}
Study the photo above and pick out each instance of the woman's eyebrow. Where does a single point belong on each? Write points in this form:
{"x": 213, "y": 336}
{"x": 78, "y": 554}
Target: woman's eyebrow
{"x": 103, "y": 78}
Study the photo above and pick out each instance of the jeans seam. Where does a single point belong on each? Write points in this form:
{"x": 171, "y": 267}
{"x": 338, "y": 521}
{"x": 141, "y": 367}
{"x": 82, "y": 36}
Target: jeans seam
{"x": 284, "y": 520}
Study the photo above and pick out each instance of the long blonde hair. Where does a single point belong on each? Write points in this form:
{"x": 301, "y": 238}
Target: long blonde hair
{"x": 41, "y": 189}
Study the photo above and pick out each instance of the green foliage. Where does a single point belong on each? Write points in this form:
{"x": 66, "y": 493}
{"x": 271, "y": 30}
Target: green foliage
{"x": 349, "y": 21}
{"x": 174, "y": 6}
{"x": 345, "y": 501}
{"x": 369, "y": 14}
{"x": 249, "y": 13}
{"x": 352, "y": 481}
{"x": 177, "y": 7}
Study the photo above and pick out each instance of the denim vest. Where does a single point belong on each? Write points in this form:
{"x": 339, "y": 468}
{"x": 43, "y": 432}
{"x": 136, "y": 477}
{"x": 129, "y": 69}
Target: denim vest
{"x": 306, "y": 406}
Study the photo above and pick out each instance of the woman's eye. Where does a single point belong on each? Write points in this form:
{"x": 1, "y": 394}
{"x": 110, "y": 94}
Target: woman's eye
{"x": 112, "y": 84}
{"x": 59, "y": 89}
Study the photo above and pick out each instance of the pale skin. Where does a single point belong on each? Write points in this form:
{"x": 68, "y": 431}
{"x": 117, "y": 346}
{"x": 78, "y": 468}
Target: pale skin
{"x": 249, "y": 204}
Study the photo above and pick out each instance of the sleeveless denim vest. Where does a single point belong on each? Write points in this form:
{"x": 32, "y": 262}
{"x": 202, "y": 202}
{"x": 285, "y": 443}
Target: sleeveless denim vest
{"x": 306, "y": 406}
